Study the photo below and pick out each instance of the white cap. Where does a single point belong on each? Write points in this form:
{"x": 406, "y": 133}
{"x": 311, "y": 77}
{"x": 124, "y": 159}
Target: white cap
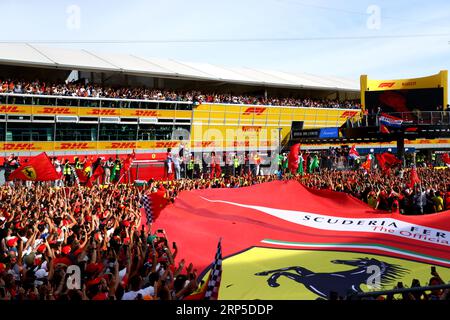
{"x": 372, "y": 150}
{"x": 390, "y": 150}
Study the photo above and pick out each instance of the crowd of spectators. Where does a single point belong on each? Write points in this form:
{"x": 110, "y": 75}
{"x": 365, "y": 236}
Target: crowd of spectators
{"x": 78, "y": 89}
{"x": 44, "y": 229}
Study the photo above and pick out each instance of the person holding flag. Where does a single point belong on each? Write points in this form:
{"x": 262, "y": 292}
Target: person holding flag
{"x": 128, "y": 162}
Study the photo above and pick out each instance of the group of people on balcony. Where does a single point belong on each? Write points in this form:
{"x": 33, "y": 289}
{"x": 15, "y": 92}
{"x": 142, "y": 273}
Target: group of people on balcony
{"x": 78, "y": 89}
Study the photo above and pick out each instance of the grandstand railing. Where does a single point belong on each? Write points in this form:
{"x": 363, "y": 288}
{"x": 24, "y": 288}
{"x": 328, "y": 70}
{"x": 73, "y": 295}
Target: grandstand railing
{"x": 408, "y": 118}
{"x": 71, "y": 101}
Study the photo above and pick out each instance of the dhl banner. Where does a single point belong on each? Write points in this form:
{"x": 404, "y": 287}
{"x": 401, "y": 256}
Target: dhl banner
{"x": 250, "y": 141}
{"x": 281, "y": 240}
{"x": 93, "y": 112}
{"x": 13, "y": 109}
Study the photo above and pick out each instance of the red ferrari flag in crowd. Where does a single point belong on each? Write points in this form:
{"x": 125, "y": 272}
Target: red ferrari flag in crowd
{"x": 274, "y": 241}
{"x": 98, "y": 173}
{"x": 38, "y": 168}
{"x": 293, "y": 158}
{"x": 387, "y": 160}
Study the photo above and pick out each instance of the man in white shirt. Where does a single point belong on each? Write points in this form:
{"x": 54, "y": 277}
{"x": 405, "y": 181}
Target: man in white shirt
{"x": 135, "y": 284}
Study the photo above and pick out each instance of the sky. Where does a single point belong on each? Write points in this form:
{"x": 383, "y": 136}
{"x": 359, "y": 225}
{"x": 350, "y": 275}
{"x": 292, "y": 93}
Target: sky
{"x": 340, "y": 38}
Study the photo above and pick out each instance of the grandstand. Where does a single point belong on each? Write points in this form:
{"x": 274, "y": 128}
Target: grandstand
{"x": 63, "y": 123}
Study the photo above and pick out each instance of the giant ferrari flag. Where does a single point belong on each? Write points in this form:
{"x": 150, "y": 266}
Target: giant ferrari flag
{"x": 281, "y": 240}
{"x": 38, "y": 168}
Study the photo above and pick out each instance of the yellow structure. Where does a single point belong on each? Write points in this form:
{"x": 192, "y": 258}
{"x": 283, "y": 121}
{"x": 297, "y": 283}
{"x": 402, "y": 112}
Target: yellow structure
{"x": 439, "y": 80}
{"x": 213, "y": 126}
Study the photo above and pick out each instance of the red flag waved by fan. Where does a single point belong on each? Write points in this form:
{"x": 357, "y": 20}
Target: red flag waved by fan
{"x": 446, "y": 159}
{"x": 414, "y": 178}
{"x": 293, "y": 158}
{"x": 387, "y": 161}
{"x": 38, "y": 168}
{"x": 99, "y": 171}
{"x": 368, "y": 164}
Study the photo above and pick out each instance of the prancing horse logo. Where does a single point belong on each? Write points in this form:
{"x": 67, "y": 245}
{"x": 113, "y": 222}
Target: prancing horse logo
{"x": 342, "y": 282}
{"x": 29, "y": 172}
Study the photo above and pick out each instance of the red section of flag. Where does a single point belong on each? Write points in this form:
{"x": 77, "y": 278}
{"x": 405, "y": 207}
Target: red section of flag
{"x": 82, "y": 175}
{"x": 387, "y": 161}
{"x": 368, "y": 164}
{"x": 289, "y": 214}
{"x": 384, "y": 129}
{"x": 38, "y": 168}
{"x": 293, "y": 158}
{"x": 446, "y": 158}
{"x": 98, "y": 173}
{"x": 158, "y": 203}
{"x": 414, "y": 178}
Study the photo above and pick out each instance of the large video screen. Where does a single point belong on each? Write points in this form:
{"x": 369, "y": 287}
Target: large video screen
{"x": 405, "y": 100}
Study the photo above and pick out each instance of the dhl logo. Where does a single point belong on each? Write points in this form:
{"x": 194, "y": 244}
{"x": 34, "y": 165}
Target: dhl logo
{"x": 56, "y": 111}
{"x": 19, "y": 146}
{"x": 161, "y": 144}
{"x": 10, "y": 109}
{"x": 101, "y": 112}
{"x": 409, "y": 84}
{"x": 386, "y": 85}
{"x": 255, "y": 110}
{"x": 349, "y": 114}
{"x": 146, "y": 113}
{"x": 205, "y": 144}
{"x": 74, "y": 146}
{"x": 123, "y": 145}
